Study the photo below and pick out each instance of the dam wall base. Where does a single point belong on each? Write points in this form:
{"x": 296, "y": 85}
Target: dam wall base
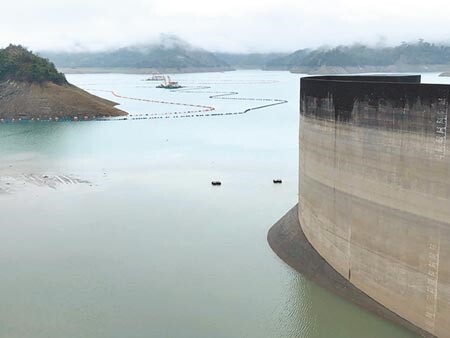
{"x": 288, "y": 241}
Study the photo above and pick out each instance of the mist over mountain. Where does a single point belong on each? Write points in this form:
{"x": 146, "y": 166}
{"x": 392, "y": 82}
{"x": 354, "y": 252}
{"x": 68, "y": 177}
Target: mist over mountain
{"x": 417, "y": 56}
{"x": 170, "y": 54}
{"x": 250, "y": 60}
{"x": 287, "y": 62}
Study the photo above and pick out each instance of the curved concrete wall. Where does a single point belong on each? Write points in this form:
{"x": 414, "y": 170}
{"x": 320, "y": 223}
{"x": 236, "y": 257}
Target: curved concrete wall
{"x": 375, "y": 189}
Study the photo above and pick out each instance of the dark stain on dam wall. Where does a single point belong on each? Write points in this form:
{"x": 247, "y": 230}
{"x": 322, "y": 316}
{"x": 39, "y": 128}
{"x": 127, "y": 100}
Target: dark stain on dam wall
{"x": 374, "y": 190}
{"x": 390, "y": 102}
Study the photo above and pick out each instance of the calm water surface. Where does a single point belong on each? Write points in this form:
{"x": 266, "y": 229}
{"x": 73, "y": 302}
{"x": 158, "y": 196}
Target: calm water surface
{"x": 149, "y": 248}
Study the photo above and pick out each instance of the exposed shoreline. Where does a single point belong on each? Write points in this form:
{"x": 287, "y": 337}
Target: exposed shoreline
{"x": 124, "y": 70}
{"x": 49, "y": 101}
{"x": 297, "y": 70}
{"x": 371, "y": 69}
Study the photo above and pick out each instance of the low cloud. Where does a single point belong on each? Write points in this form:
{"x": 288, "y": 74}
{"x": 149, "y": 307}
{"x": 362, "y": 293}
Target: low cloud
{"x": 232, "y": 25}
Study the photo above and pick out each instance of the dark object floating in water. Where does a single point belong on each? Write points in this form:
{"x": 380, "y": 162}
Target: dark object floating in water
{"x": 170, "y": 86}
{"x": 277, "y": 181}
{"x": 216, "y": 183}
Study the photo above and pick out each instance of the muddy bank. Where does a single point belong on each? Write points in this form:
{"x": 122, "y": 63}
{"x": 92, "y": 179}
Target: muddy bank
{"x": 124, "y": 70}
{"x": 22, "y": 100}
{"x": 370, "y": 69}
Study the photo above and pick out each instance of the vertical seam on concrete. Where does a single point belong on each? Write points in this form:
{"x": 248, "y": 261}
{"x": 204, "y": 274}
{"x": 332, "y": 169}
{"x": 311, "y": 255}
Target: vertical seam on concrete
{"x": 441, "y": 127}
{"x": 432, "y": 282}
{"x": 435, "y": 248}
{"x": 446, "y": 123}
{"x": 349, "y": 252}
{"x": 437, "y": 278}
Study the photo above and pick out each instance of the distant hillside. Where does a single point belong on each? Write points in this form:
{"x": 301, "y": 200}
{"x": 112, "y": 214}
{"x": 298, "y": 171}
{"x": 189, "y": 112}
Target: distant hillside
{"x": 288, "y": 61}
{"x": 420, "y": 56}
{"x": 172, "y": 55}
{"x": 249, "y": 61}
{"x": 32, "y": 88}
{"x": 169, "y": 55}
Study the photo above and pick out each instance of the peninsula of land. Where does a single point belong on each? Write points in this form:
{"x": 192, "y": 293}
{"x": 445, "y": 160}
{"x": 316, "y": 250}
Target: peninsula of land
{"x": 32, "y": 89}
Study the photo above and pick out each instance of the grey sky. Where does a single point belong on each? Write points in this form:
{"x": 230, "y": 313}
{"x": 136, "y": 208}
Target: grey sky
{"x": 233, "y": 25}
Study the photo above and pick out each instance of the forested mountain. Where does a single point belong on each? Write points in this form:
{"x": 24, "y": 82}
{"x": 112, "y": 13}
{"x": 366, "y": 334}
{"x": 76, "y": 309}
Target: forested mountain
{"x": 287, "y": 61}
{"x": 250, "y": 60}
{"x": 173, "y": 55}
{"x": 414, "y": 54}
{"x": 404, "y": 56}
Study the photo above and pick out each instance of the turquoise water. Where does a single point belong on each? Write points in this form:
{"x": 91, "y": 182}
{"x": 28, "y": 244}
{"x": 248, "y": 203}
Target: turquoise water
{"x": 148, "y": 248}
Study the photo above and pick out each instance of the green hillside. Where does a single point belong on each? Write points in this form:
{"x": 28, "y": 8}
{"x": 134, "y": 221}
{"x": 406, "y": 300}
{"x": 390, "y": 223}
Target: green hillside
{"x": 406, "y": 54}
{"x": 171, "y": 53}
{"x": 250, "y": 60}
{"x": 19, "y": 64}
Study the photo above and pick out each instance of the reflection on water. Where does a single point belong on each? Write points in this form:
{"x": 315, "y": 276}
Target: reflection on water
{"x": 150, "y": 248}
{"x": 296, "y": 318}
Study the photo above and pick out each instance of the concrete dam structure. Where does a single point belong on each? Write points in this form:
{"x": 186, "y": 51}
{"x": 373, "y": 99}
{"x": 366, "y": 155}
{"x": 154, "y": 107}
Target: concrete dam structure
{"x": 373, "y": 217}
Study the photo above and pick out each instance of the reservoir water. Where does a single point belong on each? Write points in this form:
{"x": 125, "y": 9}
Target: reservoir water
{"x": 112, "y": 229}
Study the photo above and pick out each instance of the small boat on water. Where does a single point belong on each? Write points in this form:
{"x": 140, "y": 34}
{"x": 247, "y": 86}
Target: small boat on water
{"x": 169, "y": 84}
{"x": 216, "y": 183}
{"x": 277, "y": 181}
